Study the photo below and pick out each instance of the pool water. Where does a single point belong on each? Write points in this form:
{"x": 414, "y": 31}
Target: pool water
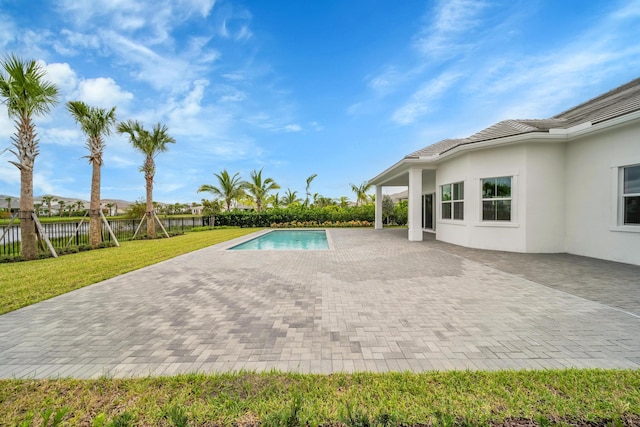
{"x": 287, "y": 240}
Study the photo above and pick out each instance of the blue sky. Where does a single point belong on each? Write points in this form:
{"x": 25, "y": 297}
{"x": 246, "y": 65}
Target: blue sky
{"x": 341, "y": 88}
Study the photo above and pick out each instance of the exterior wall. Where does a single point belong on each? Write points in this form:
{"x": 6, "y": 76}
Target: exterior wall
{"x": 428, "y": 181}
{"x": 537, "y": 210}
{"x": 591, "y": 199}
{"x": 454, "y": 170}
{"x": 545, "y": 197}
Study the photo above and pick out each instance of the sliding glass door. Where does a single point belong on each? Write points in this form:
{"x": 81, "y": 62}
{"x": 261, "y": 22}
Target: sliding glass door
{"x": 427, "y": 211}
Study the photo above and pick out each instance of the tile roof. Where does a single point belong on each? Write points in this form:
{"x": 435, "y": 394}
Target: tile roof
{"x": 615, "y": 103}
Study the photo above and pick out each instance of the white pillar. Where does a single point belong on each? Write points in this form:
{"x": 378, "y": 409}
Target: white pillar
{"x": 378, "y": 222}
{"x": 415, "y": 205}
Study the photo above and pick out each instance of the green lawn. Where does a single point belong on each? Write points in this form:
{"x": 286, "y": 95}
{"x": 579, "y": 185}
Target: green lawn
{"x": 569, "y": 397}
{"x": 25, "y": 283}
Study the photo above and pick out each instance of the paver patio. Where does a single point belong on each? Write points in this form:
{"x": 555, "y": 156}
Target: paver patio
{"x": 375, "y": 301}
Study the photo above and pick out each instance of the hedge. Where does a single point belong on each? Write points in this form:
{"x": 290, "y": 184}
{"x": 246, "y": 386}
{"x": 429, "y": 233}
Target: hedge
{"x": 279, "y": 216}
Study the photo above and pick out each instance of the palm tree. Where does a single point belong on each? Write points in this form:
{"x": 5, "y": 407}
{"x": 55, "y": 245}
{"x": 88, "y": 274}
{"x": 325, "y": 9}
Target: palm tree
{"x": 8, "y": 200}
{"x": 150, "y": 144}
{"x": 80, "y": 206}
{"x": 260, "y": 188}
{"x": 306, "y": 190}
{"x": 290, "y": 197}
{"x": 48, "y": 200}
{"x": 96, "y": 123}
{"x": 229, "y": 188}
{"x": 61, "y": 204}
{"x": 323, "y": 202}
{"x": 361, "y": 192}
{"x": 344, "y": 202}
{"x": 109, "y": 206}
{"x": 26, "y": 94}
{"x": 275, "y": 200}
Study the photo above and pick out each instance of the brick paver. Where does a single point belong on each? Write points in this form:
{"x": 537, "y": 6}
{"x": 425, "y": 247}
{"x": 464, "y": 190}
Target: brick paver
{"x": 373, "y": 302}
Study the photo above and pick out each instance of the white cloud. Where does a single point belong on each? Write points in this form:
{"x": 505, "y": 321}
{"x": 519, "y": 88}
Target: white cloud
{"x": 130, "y": 16}
{"x": 385, "y": 82}
{"x": 316, "y": 126}
{"x": 244, "y": 33}
{"x": 42, "y": 184}
{"x": 7, "y": 31}
{"x": 185, "y": 116}
{"x": 103, "y": 92}
{"x": 448, "y": 33}
{"x": 162, "y": 72}
{"x": 422, "y": 101}
{"x": 541, "y": 85}
{"x": 292, "y": 128}
{"x": 76, "y": 39}
{"x": 238, "y": 76}
{"x": 7, "y": 127}
{"x": 61, "y": 136}
{"x": 229, "y": 94}
{"x": 62, "y": 76}
{"x": 9, "y": 173}
{"x": 118, "y": 161}
{"x": 629, "y": 10}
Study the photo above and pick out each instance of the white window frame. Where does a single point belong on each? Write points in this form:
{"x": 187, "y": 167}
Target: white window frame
{"x": 618, "y": 196}
{"x": 452, "y": 202}
{"x": 496, "y": 199}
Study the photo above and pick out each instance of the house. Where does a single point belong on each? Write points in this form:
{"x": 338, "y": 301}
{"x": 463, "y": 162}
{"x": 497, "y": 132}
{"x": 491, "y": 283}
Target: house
{"x": 196, "y": 210}
{"x": 570, "y": 183}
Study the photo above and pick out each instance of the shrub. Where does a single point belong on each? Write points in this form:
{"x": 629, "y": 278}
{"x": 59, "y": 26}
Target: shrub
{"x": 326, "y": 224}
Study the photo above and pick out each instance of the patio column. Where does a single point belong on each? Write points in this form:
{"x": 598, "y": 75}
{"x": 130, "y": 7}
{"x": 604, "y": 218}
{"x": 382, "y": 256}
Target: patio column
{"x": 415, "y": 204}
{"x": 378, "y": 217}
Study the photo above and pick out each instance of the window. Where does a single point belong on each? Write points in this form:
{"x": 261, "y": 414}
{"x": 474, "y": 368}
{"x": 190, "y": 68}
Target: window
{"x": 453, "y": 201}
{"x": 496, "y": 199}
{"x": 631, "y": 195}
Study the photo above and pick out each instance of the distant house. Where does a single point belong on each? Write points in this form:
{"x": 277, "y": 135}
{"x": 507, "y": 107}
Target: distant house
{"x": 570, "y": 183}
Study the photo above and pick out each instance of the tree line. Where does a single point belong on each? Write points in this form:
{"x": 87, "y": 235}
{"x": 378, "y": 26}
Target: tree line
{"x": 258, "y": 191}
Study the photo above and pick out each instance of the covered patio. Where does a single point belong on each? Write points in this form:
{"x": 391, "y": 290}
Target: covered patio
{"x": 420, "y": 178}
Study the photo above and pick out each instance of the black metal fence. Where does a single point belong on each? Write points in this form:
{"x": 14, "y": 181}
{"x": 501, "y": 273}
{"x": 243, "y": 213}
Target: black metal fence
{"x": 76, "y": 233}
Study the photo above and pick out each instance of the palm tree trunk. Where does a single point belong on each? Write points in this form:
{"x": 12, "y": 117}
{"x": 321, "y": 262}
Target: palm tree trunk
{"x": 28, "y": 244}
{"x": 95, "y": 229}
{"x": 151, "y": 221}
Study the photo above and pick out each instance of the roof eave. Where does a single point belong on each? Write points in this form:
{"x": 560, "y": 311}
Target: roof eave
{"x": 400, "y": 168}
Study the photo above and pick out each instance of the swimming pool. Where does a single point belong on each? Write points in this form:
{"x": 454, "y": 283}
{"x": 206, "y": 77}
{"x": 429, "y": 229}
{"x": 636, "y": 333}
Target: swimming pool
{"x": 287, "y": 240}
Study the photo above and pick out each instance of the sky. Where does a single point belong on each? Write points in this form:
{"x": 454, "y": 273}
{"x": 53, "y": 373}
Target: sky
{"x": 338, "y": 88}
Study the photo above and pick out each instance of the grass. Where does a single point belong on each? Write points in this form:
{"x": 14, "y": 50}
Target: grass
{"x": 25, "y": 283}
{"x": 567, "y": 397}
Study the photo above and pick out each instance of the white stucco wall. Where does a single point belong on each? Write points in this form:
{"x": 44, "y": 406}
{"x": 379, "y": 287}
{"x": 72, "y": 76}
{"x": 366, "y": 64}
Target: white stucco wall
{"x": 591, "y": 171}
{"x": 453, "y": 170}
{"x": 544, "y": 206}
{"x": 537, "y": 220}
